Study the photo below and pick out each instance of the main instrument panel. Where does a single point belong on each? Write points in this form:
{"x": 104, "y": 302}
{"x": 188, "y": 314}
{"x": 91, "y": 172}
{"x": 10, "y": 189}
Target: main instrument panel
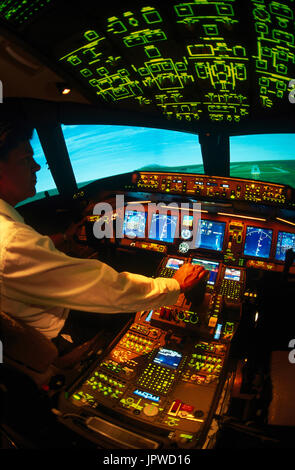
{"x": 161, "y": 380}
{"x": 211, "y": 216}
{"x": 236, "y": 240}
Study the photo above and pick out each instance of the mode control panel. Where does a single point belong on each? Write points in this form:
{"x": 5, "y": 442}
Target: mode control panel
{"x": 221, "y": 188}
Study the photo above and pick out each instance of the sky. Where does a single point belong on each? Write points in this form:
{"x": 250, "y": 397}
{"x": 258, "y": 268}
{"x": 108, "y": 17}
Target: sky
{"x": 98, "y": 151}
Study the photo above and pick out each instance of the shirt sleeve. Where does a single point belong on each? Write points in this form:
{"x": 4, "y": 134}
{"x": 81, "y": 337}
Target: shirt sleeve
{"x": 35, "y": 272}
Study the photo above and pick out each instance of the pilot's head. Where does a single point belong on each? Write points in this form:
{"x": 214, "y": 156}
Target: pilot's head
{"x": 17, "y": 165}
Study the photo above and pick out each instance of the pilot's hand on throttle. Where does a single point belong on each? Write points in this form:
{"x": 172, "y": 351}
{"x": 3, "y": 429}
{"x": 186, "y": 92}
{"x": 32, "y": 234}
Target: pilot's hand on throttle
{"x": 190, "y": 276}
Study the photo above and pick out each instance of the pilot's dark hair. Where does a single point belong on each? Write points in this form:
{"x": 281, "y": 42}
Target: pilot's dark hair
{"x": 12, "y": 133}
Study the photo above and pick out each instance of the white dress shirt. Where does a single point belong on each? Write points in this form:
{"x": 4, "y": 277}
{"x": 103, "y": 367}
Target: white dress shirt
{"x": 39, "y": 284}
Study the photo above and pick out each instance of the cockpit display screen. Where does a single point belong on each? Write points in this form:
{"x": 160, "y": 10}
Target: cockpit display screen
{"x": 211, "y": 266}
{"x": 174, "y": 263}
{"x": 210, "y": 235}
{"x": 286, "y": 240}
{"x": 168, "y": 358}
{"x": 187, "y": 225}
{"x": 134, "y": 224}
{"x": 232, "y": 274}
{"x": 163, "y": 227}
{"x": 258, "y": 242}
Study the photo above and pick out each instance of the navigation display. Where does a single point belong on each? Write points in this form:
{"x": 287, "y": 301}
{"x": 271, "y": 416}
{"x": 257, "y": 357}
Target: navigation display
{"x": 168, "y": 357}
{"x": 210, "y": 235}
{"x": 174, "y": 263}
{"x": 232, "y": 274}
{"x": 134, "y": 224}
{"x": 163, "y": 227}
{"x": 258, "y": 242}
{"x": 209, "y": 266}
{"x": 286, "y": 240}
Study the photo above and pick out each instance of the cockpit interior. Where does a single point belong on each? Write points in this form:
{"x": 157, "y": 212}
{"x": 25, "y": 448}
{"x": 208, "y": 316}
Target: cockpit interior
{"x": 178, "y": 119}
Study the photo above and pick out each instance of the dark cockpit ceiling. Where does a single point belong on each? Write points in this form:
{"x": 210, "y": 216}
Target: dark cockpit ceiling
{"x": 212, "y": 68}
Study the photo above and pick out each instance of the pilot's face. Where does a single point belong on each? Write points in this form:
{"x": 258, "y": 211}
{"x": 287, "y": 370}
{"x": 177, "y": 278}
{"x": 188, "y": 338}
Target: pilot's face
{"x": 18, "y": 174}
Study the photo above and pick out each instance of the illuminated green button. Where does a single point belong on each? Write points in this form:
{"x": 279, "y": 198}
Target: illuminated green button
{"x": 76, "y": 396}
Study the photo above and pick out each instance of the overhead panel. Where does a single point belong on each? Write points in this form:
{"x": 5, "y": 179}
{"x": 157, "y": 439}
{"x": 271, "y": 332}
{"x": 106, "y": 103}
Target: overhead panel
{"x": 275, "y": 50}
{"x": 199, "y": 61}
{"x": 190, "y": 69}
{"x": 21, "y": 12}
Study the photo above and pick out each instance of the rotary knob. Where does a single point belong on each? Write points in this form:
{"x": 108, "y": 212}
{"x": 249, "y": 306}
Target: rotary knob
{"x": 151, "y": 410}
{"x": 194, "y": 318}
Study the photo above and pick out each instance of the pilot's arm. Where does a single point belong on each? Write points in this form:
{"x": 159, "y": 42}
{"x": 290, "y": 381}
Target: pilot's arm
{"x": 36, "y": 273}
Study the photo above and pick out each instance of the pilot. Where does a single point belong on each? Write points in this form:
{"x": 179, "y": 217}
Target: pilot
{"x": 43, "y": 286}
